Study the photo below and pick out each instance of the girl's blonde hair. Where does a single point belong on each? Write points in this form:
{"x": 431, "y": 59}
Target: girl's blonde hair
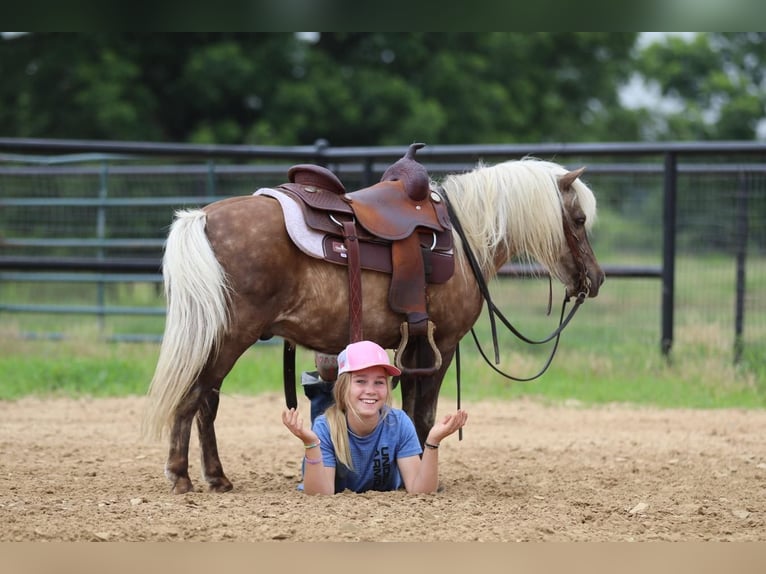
{"x": 337, "y": 416}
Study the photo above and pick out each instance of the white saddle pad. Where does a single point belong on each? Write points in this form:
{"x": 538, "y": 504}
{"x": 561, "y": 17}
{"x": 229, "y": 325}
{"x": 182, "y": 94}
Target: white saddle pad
{"x": 308, "y": 240}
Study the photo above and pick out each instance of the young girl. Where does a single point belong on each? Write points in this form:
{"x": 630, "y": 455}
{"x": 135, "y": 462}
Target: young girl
{"x": 361, "y": 442}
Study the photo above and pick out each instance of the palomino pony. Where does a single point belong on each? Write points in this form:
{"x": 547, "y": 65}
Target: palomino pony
{"x": 233, "y": 276}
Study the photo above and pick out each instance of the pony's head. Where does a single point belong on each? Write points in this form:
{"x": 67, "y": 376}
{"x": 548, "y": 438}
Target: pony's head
{"x": 533, "y": 209}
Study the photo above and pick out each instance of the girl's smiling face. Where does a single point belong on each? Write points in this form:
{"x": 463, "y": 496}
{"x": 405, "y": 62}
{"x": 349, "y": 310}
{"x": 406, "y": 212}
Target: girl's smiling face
{"x": 368, "y": 391}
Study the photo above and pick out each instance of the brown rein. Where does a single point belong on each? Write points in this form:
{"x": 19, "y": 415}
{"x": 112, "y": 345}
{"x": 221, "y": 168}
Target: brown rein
{"x": 494, "y": 312}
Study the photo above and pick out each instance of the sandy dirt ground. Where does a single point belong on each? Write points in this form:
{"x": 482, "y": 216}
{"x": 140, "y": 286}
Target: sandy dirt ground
{"x": 75, "y": 470}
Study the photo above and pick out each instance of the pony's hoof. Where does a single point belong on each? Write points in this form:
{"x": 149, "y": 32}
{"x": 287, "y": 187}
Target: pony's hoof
{"x": 221, "y": 484}
{"x": 182, "y": 486}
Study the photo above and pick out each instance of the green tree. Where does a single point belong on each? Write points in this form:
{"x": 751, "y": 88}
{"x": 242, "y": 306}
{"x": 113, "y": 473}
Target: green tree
{"x": 716, "y": 81}
{"x": 350, "y": 88}
{"x": 72, "y": 85}
{"x": 489, "y": 87}
{"x": 176, "y": 87}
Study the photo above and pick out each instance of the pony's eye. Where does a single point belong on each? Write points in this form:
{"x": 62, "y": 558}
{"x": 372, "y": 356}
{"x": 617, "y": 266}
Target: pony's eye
{"x": 580, "y": 221}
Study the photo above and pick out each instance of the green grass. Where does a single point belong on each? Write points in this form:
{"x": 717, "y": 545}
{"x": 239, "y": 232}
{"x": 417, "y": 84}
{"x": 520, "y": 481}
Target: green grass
{"x": 692, "y": 379}
{"x": 609, "y": 353}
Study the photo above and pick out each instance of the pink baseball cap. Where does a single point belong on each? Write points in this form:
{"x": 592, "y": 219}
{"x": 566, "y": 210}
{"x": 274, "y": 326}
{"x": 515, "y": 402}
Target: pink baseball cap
{"x": 364, "y": 354}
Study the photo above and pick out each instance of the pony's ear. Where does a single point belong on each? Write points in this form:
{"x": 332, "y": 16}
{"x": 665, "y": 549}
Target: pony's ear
{"x": 566, "y": 180}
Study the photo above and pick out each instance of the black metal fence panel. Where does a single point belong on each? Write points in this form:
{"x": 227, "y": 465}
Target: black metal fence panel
{"x": 681, "y": 230}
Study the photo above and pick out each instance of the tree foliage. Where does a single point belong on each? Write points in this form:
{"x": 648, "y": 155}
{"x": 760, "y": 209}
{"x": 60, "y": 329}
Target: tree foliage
{"x": 375, "y": 88}
{"x": 715, "y": 79}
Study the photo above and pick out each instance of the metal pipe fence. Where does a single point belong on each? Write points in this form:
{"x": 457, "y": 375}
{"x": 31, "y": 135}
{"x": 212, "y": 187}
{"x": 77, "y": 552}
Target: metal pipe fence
{"x": 77, "y": 214}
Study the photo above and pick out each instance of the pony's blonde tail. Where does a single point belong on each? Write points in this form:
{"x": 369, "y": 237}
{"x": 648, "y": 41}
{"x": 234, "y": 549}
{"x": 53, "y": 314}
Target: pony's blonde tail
{"x": 197, "y": 296}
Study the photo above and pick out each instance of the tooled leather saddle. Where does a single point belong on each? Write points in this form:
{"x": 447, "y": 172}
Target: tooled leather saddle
{"x": 398, "y": 226}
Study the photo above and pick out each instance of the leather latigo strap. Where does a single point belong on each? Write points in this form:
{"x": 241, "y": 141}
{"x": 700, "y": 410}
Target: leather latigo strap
{"x": 354, "y": 282}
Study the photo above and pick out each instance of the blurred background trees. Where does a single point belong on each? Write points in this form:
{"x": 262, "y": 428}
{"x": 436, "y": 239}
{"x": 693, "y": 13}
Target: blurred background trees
{"x": 382, "y": 88}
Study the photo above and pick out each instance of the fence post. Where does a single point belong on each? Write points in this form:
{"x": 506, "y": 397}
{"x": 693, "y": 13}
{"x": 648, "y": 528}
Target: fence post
{"x": 669, "y": 251}
{"x": 103, "y": 193}
{"x": 741, "y": 235}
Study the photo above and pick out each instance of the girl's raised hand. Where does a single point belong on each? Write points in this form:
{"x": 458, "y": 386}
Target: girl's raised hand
{"x": 293, "y": 421}
{"x": 448, "y": 425}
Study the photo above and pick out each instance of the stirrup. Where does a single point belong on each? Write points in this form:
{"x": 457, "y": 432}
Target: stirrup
{"x": 404, "y": 329}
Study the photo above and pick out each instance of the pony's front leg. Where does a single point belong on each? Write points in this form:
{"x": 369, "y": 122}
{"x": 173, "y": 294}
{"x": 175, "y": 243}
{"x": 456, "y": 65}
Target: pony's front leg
{"x": 420, "y": 397}
{"x": 212, "y": 469}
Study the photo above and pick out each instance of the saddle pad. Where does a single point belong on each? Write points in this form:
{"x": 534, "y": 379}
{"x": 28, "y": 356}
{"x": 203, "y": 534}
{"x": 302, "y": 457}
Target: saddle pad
{"x": 305, "y": 238}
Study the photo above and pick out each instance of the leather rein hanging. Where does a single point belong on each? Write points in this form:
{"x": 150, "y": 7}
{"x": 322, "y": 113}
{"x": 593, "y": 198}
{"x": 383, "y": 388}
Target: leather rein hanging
{"x": 494, "y": 312}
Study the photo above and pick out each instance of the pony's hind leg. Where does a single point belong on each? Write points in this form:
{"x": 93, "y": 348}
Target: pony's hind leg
{"x": 177, "y": 465}
{"x": 206, "y": 403}
{"x": 212, "y": 469}
{"x": 203, "y": 404}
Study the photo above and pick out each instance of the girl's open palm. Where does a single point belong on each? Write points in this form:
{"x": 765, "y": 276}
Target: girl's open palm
{"x": 293, "y": 421}
{"x": 448, "y": 425}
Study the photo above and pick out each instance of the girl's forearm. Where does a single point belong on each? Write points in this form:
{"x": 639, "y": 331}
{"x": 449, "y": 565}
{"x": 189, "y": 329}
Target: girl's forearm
{"x": 316, "y": 478}
{"x": 427, "y": 478}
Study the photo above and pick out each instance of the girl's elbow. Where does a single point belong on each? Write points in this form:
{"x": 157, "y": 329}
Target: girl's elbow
{"x": 421, "y": 489}
{"x": 316, "y": 492}
{"x": 318, "y": 488}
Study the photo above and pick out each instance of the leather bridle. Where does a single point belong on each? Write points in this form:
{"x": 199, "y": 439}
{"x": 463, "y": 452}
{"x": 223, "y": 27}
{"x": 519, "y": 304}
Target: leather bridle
{"x": 578, "y": 256}
{"x": 577, "y": 250}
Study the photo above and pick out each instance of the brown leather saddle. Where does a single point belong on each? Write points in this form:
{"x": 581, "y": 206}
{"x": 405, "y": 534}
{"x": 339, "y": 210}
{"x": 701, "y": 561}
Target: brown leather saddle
{"x": 397, "y": 226}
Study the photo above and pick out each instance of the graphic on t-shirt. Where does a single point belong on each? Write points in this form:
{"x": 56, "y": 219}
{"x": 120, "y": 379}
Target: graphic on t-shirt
{"x": 381, "y": 467}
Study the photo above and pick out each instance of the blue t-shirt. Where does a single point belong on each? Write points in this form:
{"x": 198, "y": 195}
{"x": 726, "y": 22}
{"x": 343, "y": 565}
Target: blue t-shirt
{"x": 374, "y": 456}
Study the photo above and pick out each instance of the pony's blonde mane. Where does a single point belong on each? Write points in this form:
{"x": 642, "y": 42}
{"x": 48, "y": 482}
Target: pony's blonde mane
{"x": 514, "y": 209}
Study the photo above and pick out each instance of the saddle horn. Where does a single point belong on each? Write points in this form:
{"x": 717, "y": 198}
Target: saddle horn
{"x": 411, "y": 173}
